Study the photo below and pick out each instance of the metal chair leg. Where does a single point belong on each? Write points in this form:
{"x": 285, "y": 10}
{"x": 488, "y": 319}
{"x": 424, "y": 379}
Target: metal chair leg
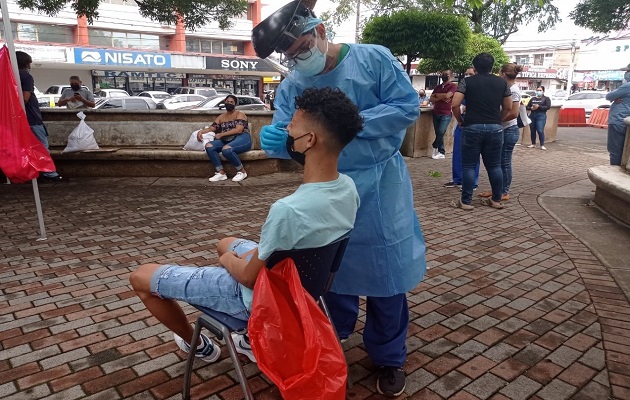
{"x": 237, "y": 365}
{"x": 324, "y": 307}
{"x": 190, "y": 360}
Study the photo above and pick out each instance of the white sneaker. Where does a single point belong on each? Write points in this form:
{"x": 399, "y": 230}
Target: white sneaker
{"x": 242, "y": 345}
{"x": 531, "y": 146}
{"x": 439, "y": 156}
{"x": 239, "y": 176}
{"x": 543, "y": 148}
{"x": 209, "y": 351}
{"x": 434, "y": 153}
{"x": 218, "y": 177}
{"x": 517, "y": 144}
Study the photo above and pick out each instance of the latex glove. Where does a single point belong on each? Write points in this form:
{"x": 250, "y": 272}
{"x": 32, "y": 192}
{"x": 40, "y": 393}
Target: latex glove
{"x": 273, "y": 137}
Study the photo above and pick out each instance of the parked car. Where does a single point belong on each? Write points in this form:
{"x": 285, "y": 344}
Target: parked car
{"x": 244, "y": 103}
{"x": 588, "y": 100}
{"x": 125, "y": 103}
{"x": 179, "y": 101}
{"x": 202, "y": 91}
{"x": 111, "y": 93}
{"x": 223, "y": 92}
{"x": 155, "y": 95}
{"x": 58, "y": 89}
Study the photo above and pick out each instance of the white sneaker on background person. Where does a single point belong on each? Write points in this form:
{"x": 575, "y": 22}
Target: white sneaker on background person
{"x": 239, "y": 176}
{"x": 217, "y": 177}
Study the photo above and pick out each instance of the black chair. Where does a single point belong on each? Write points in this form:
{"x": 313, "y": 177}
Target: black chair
{"x": 316, "y": 267}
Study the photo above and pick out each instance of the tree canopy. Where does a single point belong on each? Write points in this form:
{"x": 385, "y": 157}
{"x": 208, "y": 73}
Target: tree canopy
{"x": 496, "y": 18}
{"x": 195, "y": 13}
{"x": 417, "y": 34}
{"x": 602, "y": 15}
{"x": 477, "y": 43}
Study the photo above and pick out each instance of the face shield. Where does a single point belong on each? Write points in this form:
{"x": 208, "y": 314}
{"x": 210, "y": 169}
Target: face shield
{"x": 282, "y": 29}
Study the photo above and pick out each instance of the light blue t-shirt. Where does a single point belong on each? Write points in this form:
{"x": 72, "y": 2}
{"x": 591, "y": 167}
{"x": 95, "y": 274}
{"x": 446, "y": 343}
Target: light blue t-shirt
{"x": 313, "y": 216}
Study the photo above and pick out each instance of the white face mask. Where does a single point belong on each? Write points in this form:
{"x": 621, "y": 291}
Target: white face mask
{"x": 315, "y": 63}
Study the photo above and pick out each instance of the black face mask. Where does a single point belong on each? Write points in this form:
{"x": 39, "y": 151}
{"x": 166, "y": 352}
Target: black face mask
{"x": 444, "y": 78}
{"x": 75, "y": 87}
{"x": 229, "y": 107}
{"x": 296, "y": 156}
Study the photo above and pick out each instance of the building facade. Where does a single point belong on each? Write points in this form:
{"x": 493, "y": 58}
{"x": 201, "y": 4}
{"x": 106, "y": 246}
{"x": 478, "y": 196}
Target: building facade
{"x": 548, "y": 67}
{"x": 123, "y": 50}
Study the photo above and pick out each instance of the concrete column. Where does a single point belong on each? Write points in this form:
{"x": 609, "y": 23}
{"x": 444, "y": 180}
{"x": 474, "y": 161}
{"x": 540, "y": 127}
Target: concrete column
{"x": 81, "y": 37}
{"x": 178, "y": 41}
{"x": 253, "y": 13}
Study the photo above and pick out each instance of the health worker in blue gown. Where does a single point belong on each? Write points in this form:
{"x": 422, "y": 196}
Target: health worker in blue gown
{"x": 385, "y": 257}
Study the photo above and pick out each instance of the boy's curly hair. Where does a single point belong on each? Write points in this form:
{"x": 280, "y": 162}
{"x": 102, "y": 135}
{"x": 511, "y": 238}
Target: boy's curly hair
{"x": 334, "y": 111}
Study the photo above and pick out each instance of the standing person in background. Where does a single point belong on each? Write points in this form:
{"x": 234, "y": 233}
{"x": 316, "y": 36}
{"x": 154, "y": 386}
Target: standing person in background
{"x": 619, "y": 109}
{"x": 385, "y": 254}
{"x": 457, "y": 147}
{"x": 77, "y": 97}
{"x": 511, "y": 132}
{"x": 488, "y": 102}
{"x": 538, "y": 105}
{"x": 441, "y": 97}
{"x": 422, "y": 98}
{"x": 31, "y": 106}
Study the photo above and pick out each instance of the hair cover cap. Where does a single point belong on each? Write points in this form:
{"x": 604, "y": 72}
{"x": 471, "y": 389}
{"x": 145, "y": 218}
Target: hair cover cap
{"x": 281, "y": 29}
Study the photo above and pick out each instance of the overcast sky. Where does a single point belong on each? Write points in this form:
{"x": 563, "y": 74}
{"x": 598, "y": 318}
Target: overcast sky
{"x": 564, "y": 32}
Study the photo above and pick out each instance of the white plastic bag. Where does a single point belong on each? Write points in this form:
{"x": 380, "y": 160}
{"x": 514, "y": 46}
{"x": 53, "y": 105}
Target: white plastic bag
{"x": 194, "y": 144}
{"x": 81, "y": 138}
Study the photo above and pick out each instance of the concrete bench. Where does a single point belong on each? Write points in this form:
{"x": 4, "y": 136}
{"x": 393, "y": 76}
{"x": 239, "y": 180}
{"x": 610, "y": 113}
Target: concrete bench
{"x": 148, "y": 144}
{"x": 612, "y": 182}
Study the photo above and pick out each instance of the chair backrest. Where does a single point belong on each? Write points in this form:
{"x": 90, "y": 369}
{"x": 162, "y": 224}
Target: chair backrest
{"x": 316, "y": 266}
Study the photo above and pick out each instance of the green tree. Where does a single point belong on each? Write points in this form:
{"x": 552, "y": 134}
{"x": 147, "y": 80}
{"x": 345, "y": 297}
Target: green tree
{"x": 417, "y": 34}
{"x": 477, "y": 43}
{"x": 195, "y": 13}
{"x": 602, "y": 15}
{"x": 496, "y": 18}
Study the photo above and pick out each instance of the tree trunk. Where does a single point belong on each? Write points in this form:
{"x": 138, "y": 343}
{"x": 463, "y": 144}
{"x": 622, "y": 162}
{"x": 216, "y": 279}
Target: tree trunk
{"x": 409, "y": 65}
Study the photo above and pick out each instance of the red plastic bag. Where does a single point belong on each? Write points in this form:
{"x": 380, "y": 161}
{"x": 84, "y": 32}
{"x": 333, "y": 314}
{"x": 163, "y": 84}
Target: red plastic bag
{"x": 293, "y": 341}
{"x": 22, "y": 156}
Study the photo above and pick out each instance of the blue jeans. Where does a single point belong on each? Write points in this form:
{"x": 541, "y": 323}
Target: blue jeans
{"x": 211, "y": 287}
{"x": 616, "y": 140}
{"x": 485, "y": 140}
{"x": 241, "y": 144}
{"x": 539, "y": 119}
{"x": 511, "y": 135}
{"x": 41, "y": 134}
{"x": 440, "y": 123}
{"x": 457, "y": 158}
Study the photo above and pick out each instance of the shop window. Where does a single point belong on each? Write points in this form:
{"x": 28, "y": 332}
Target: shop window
{"x": 521, "y": 60}
{"x": 192, "y": 45}
{"x": 539, "y": 59}
{"x": 125, "y": 40}
{"x": 217, "y": 47}
{"x": 40, "y": 33}
{"x": 233, "y": 47}
{"x": 206, "y": 46}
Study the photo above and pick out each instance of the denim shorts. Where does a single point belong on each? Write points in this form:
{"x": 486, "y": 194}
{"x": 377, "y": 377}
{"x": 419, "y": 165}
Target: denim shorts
{"x": 211, "y": 287}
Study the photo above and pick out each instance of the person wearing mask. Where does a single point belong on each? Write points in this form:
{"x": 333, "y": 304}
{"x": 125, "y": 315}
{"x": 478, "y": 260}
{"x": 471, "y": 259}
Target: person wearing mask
{"x": 231, "y": 138}
{"x": 33, "y": 113}
{"x": 77, "y": 97}
{"x": 619, "y": 109}
{"x": 441, "y": 97}
{"x": 488, "y": 102}
{"x": 385, "y": 257}
{"x": 511, "y": 132}
{"x": 457, "y": 148}
{"x": 422, "y": 98}
{"x": 538, "y": 105}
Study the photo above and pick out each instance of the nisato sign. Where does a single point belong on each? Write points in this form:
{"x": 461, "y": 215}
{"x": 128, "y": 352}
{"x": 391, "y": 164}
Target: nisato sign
{"x": 121, "y": 58}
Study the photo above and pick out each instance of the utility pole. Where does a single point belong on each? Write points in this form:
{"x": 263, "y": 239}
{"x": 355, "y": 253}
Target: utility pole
{"x": 572, "y": 66}
{"x": 358, "y": 23}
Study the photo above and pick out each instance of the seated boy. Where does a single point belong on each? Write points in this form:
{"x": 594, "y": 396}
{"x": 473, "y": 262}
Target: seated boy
{"x": 321, "y": 210}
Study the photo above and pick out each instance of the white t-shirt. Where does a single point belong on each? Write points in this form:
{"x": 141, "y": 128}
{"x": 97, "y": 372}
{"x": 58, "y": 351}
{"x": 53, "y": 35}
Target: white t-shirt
{"x": 516, "y": 97}
{"x": 313, "y": 216}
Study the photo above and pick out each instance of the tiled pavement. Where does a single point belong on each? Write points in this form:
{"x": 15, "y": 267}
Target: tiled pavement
{"x": 513, "y": 306}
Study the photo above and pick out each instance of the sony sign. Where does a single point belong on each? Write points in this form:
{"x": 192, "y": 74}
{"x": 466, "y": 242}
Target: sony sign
{"x": 121, "y": 58}
{"x": 236, "y": 64}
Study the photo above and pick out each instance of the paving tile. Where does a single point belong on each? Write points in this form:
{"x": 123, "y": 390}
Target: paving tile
{"x": 521, "y": 388}
{"x": 449, "y": 384}
{"x": 557, "y": 390}
{"x": 544, "y": 371}
{"x": 476, "y": 367}
{"x": 485, "y": 386}
{"x": 509, "y": 369}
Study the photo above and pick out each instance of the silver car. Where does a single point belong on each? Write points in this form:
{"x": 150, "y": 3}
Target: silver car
{"x": 125, "y": 103}
{"x": 244, "y": 103}
{"x": 588, "y": 100}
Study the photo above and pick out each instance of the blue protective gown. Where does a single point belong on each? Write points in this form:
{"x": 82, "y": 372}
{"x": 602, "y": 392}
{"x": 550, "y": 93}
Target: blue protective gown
{"x": 385, "y": 255}
{"x": 619, "y": 111}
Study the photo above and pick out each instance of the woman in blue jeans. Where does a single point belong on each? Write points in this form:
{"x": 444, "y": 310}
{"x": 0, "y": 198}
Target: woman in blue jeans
{"x": 538, "y": 106}
{"x": 231, "y": 138}
{"x": 511, "y": 132}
